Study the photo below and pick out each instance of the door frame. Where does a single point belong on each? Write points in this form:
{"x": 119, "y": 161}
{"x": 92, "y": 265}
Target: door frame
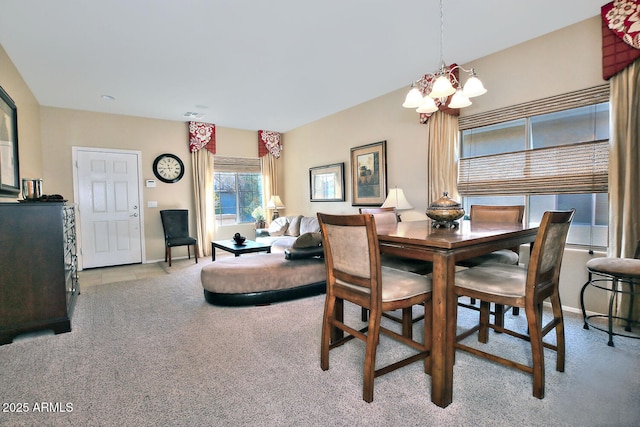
{"x": 76, "y": 195}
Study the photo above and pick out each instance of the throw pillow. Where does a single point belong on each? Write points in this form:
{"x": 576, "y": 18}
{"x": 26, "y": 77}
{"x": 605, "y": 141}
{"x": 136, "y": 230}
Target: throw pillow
{"x": 278, "y": 226}
{"x": 308, "y": 240}
{"x": 294, "y": 226}
{"x": 309, "y": 224}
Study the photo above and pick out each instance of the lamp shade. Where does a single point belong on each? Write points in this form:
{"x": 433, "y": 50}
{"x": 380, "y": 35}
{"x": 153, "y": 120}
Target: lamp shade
{"x": 275, "y": 203}
{"x": 459, "y": 100}
{"x": 396, "y": 199}
{"x": 442, "y": 87}
{"x": 413, "y": 99}
{"x": 473, "y": 86}
{"x": 428, "y": 106}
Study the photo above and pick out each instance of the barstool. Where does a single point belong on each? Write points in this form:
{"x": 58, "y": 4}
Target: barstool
{"x": 618, "y": 272}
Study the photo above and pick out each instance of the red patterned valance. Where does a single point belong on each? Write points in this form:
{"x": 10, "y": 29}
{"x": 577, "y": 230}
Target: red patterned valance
{"x": 202, "y": 135}
{"x": 426, "y": 82}
{"x": 623, "y": 18}
{"x": 620, "y": 35}
{"x": 269, "y": 142}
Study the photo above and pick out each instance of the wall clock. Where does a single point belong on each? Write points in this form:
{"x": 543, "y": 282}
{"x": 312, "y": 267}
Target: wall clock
{"x": 168, "y": 168}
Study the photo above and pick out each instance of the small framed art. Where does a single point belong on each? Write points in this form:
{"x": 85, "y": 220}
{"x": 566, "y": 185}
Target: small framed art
{"x": 9, "y": 171}
{"x": 369, "y": 174}
{"x": 326, "y": 183}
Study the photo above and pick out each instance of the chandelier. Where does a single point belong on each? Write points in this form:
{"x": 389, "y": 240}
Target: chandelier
{"x": 442, "y": 84}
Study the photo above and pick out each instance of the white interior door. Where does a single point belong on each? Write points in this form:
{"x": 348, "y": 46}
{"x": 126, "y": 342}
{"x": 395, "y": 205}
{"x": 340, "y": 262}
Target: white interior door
{"x": 108, "y": 197}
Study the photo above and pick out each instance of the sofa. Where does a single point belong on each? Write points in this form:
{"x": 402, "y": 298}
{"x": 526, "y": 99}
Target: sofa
{"x": 285, "y": 230}
{"x": 267, "y": 278}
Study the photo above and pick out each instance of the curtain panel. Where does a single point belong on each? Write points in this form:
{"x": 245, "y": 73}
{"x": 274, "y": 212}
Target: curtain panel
{"x": 442, "y": 156}
{"x": 624, "y": 175}
{"x": 203, "y": 135}
{"x": 269, "y": 149}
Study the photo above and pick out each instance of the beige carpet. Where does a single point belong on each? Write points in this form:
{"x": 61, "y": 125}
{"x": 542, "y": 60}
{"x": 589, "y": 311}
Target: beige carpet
{"x": 152, "y": 352}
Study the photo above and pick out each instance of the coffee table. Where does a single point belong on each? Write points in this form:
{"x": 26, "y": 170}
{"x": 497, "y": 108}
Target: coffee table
{"x": 229, "y": 245}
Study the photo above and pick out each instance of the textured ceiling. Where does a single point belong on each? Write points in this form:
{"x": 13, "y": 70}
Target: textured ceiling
{"x": 254, "y": 64}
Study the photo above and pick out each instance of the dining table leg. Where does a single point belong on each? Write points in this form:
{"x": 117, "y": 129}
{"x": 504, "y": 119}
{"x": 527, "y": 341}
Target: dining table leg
{"x": 444, "y": 328}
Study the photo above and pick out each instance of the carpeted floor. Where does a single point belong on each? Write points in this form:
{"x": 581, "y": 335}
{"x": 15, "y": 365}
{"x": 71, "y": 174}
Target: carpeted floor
{"x": 152, "y": 352}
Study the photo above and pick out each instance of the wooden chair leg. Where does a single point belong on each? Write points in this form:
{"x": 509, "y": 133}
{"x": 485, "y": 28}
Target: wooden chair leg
{"x": 560, "y": 342}
{"x": 428, "y": 318}
{"x": 166, "y": 252}
{"x": 534, "y": 321}
{"x": 169, "y": 253}
{"x": 498, "y": 317}
{"x": 327, "y": 331}
{"x": 373, "y": 333}
{"x": 407, "y": 322}
{"x": 195, "y": 251}
{"x": 189, "y": 251}
{"x": 483, "y": 333}
{"x": 338, "y": 334}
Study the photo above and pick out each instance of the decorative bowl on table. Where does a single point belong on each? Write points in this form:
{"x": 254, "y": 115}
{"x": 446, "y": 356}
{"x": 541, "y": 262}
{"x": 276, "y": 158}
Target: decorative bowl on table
{"x": 444, "y": 212}
{"x": 239, "y": 239}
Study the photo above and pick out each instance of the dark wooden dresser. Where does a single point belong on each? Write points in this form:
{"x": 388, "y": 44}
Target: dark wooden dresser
{"x": 38, "y": 268}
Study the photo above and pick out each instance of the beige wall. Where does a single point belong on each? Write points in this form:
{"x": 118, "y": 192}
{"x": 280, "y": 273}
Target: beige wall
{"x": 559, "y": 62}
{"x": 29, "y": 148}
{"x": 64, "y": 129}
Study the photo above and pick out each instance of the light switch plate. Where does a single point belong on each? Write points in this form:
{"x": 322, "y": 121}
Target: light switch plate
{"x": 152, "y": 204}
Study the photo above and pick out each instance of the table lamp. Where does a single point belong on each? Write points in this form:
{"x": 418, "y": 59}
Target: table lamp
{"x": 396, "y": 199}
{"x": 275, "y": 203}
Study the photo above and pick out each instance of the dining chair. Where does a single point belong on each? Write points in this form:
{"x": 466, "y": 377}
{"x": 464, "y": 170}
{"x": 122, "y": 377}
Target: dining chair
{"x": 389, "y": 216}
{"x": 617, "y": 272}
{"x": 526, "y": 288}
{"x": 495, "y": 213}
{"x": 354, "y": 274}
{"x": 175, "y": 223}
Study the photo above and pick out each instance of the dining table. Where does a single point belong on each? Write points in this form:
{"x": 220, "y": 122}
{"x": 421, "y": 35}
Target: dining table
{"x": 444, "y": 247}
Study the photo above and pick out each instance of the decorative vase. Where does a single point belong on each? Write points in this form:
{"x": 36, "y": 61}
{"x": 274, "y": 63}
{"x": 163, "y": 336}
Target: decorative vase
{"x": 444, "y": 212}
{"x": 239, "y": 239}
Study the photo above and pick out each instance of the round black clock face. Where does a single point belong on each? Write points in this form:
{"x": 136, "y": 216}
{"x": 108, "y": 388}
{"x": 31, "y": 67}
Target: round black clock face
{"x": 168, "y": 168}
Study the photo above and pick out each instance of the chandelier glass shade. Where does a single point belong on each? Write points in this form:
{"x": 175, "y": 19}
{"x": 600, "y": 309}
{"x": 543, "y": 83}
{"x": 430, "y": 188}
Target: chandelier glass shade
{"x": 442, "y": 84}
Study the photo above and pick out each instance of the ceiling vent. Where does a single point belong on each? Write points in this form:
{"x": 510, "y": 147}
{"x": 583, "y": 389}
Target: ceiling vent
{"x": 192, "y": 115}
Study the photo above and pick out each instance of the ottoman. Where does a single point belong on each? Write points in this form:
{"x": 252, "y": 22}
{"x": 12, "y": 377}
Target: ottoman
{"x": 262, "y": 279}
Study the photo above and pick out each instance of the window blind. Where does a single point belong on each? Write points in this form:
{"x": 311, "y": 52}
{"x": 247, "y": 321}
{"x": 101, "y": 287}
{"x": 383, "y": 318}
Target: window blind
{"x": 236, "y": 164}
{"x": 573, "y": 168}
{"x": 580, "y": 98}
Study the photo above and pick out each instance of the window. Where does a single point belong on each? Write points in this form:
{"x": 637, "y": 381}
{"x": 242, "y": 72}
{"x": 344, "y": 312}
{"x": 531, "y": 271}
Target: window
{"x": 238, "y": 189}
{"x": 544, "y": 157}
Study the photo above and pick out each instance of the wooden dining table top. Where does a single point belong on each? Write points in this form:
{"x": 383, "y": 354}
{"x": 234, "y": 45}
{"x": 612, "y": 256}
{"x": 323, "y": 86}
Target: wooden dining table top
{"x": 419, "y": 240}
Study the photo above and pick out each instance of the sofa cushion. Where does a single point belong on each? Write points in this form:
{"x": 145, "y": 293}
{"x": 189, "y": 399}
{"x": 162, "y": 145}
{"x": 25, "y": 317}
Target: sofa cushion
{"x": 258, "y": 273}
{"x": 294, "y": 226}
{"x": 303, "y": 253}
{"x": 308, "y": 240}
{"x": 279, "y": 226}
{"x": 309, "y": 224}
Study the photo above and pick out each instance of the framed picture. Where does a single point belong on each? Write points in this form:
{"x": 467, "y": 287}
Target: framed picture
{"x": 9, "y": 172}
{"x": 369, "y": 174}
{"x": 326, "y": 183}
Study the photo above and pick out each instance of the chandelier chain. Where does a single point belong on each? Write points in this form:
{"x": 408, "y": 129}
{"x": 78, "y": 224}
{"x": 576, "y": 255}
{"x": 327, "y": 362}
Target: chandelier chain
{"x": 441, "y": 33}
